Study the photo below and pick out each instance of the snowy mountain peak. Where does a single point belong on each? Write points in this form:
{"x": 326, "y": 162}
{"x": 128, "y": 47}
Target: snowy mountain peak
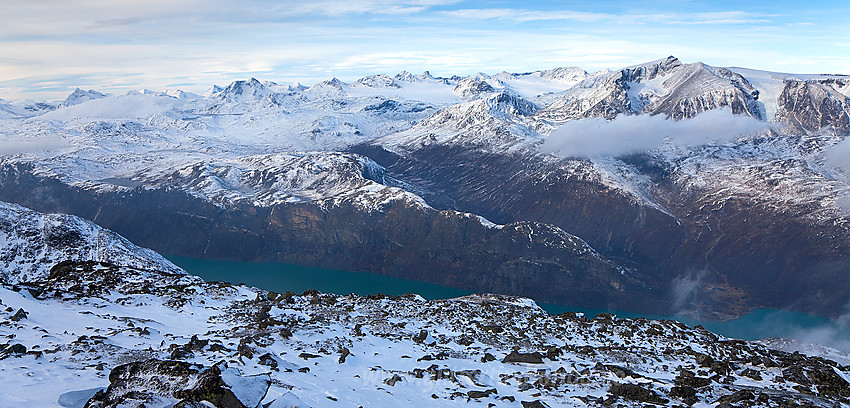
{"x": 296, "y": 87}
{"x": 378, "y": 81}
{"x": 651, "y": 70}
{"x": 815, "y": 104}
{"x": 510, "y": 105}
{"x": 473, "y": 88}
{"x": 405, "y": 76}
{"x": 79, "y": 96}
{"x": 566, "y": 74}
{"x": 481, "y": 76}
{"x": 180, "y": 94}
{"x": 213, "y": 90}
{"x": 664, "y": 86}
{"x": 244, "y": 91}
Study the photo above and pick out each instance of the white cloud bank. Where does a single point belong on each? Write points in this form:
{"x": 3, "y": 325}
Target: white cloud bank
{"x": 839, "y": 155}
{"x": 33, "y": 145}
{"x": 634, "y": 134}
{"x": 115, "y": 107}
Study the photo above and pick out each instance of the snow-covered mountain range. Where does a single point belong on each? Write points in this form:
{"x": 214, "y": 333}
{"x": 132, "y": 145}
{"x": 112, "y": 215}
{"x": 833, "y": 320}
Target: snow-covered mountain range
{"x": 124, "y": 328}
{"x": 449, "y": 180}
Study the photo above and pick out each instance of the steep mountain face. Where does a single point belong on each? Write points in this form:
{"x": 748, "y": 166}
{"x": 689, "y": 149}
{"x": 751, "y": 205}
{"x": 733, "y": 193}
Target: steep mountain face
{"x": 79, "y": 96}
{"x": 372, "y": 228}
{"x": 664, "y": 87}
{"x": 34, "y": 242}
{"x": 443, "y": 179}
{"x": 100, "y": 334}
{"x": 812, "y": 105}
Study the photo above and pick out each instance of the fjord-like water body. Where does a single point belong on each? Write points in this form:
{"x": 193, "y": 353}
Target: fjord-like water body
{"x": 278, "y": 277}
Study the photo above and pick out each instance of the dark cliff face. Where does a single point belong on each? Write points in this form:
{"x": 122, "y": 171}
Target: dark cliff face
{"x": 812, "y": 105}
{"x": 510, "y": 187}
{"x": 714, "y": 258}
{"x": 409, "y": 241}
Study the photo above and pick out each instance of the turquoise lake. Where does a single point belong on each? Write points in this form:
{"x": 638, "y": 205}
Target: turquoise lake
{"x": 284, "y": 277}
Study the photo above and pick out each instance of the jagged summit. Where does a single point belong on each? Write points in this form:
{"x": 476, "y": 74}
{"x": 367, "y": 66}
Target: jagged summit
{"x": 567, "y": 74}
{"x": 473, "y": 88}
{"x": 244, "y": 91}
{"x": 405, "y": 76}
{"x": 378, "y": 81}
{"x": 665, "y": 86}
{"x": 79, "y": 96}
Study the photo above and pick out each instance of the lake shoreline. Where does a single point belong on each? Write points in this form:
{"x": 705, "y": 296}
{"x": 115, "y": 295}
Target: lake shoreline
{"x": 278, "y": 277}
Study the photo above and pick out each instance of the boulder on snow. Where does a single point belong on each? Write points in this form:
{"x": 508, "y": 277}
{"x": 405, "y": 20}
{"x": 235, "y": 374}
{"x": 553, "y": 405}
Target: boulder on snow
{"x": 153, "y": 382}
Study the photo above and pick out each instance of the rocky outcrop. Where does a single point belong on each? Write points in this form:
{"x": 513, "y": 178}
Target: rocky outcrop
{"x": 34, "y": 240}
{"x": 813, "y": 105}
{"x": 153, "y": 382}
{"x": 472, "y": 88}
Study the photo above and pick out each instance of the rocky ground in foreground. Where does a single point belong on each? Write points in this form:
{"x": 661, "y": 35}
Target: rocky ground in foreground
{"x": 99, "y": 335}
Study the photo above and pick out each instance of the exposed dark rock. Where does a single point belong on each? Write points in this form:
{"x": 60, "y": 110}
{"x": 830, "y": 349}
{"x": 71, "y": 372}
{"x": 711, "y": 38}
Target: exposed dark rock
{"x": 15, "y": 350}
{"x": 393, "y": 380}
{"x": 533, "y": 404}
{"x": 268, "y": 360}
{"x": 488, "y": 357}
{"x": 812, "y": 105}
{"x": 684, "y": 393}
{"x": 738, "y": 396}
{"x": 481, "y": 394}
{"x": 187, "y": 350}
{"x": 704, "y": 360}
{"x": 19, "y": 315}
{"x": 635, "y": 392}
{"x": 140, "y": 384}
{"x": 517, "y": 357}
{"x": 690, "y": 380}
{"x": 344, "y": 354}
{"x": 750, "y": 373}
{"x": 419, "y": 338}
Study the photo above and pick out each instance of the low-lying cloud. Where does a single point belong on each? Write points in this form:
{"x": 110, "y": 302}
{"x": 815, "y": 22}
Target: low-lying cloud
{"x": 640, "y": 133}
{"x": 13, "y": 147}
{"x": 839, "y": 155}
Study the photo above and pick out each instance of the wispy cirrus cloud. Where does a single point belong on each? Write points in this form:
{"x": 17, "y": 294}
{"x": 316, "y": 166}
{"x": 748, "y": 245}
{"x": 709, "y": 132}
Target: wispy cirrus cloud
{"x": 525, "y": 15}
{"x": 195, "y": 43}
{"x": 520, "y": 15}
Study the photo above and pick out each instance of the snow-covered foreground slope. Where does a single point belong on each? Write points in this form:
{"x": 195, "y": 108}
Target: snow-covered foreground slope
{"x": 129, "y": 337}
{"x": 31, "y": 243}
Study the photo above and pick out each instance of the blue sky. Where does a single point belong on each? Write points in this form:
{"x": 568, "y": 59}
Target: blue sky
{"x": 49, "y": 47}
